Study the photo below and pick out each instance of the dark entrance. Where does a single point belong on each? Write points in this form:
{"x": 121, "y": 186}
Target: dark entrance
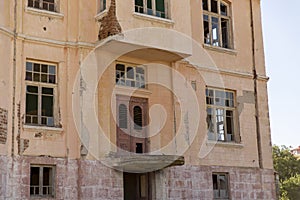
{"x": 136, "y": 186}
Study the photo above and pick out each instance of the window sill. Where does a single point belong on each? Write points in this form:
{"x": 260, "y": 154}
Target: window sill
{"x": 153, "y": 18}
{"x": 101, "y": 14}
{"x": 45, "y": 128}
{"x": 220, "y": 49}
{"x": 45, "y": 13}
{"x": 130, "y": 91}
{"x": 41, "y": 197}
{"x": 224, "y": 144}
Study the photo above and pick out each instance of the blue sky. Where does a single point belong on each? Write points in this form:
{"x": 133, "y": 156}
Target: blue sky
{"x": 281, "y": 28}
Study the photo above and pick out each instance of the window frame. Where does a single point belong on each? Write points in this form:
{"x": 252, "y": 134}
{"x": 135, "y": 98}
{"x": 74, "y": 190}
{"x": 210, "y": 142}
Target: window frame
{"x": 52, "y": 176}
{"x": 135, "y": 67}
{"x": 214, "y": 135}
{"x": 210, "y": 14}
{"x": 218, "y": 174}
{"x": 40, "y": 85}
{"x": 40, "y": 7}
{"x": 144, "y": 9}
{"x": 101, "y": 6}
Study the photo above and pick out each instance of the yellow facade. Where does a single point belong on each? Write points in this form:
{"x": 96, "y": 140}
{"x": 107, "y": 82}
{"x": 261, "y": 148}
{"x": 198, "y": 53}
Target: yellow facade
{"x": 179, "y": 67}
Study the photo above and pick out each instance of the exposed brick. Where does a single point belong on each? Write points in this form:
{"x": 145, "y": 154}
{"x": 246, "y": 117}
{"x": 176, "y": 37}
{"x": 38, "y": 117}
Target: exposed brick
{"x": 3, "y": 125}
{"x": 109, "y": 24}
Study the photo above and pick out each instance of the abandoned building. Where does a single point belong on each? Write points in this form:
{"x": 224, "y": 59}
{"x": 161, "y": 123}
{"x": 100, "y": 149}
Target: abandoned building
{"x": 133, "y": 99}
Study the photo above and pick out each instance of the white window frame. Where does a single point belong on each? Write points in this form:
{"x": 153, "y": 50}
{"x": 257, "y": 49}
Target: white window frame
{"x": 50, "y": 188}
{"x": 219, "y": 193}
{"x": 208, "y": 39}
{"x": 101, "y": 5}
{"x": 126, "y": 79}
{"x": 41, "y": 85}
{"x": 40, "y": 2}
{"x": 212, "y": 129}
{"x": 153, "y": 10}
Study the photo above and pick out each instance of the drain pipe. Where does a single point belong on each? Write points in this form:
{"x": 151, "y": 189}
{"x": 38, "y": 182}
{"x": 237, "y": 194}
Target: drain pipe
{"x": 258, "y": 134}
{"x": 14, "y": 79}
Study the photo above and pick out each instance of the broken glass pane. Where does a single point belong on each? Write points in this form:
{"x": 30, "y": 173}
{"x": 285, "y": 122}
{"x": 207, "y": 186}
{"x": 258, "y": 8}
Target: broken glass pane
{"x": 220, "y": 124}
{"x": 223, "y": 9}
{"x": 206, "y": 29}
{"x": 130, "y": 72}
{"x": 215, "y": 31}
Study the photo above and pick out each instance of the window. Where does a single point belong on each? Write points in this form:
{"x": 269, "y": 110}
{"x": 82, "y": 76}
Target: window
{"x": 40, "y": 92}
{"x": 42, "y": 180}
{"x": 122, "y": 116}
{"x": 131, "y": 76}
{"x": 216, "y": 23}
{"x": 220, "y": 115}
{"x": 48, "y": 5}
{"x": 156, "y": 8}
{"x": 101, "y": 5}
{"x": 220, "y": 185}
{"x": 138, "y": 118}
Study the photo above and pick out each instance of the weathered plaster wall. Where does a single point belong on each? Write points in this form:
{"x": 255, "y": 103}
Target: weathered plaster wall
{"x": 83, "y": 179}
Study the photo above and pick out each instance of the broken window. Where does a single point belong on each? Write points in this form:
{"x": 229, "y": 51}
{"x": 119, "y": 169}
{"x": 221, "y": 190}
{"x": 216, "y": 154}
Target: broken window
{"x": 131, "y": 76}
{"x": 220, "y": 115}
{"x": 156, "y": 8}
{"x": 220, "y": 185}
{"x": 42, "y": 180}
{"x": 48, "y": 5}
{"x": 216, "y": 23}
{"x": 40, "y": 89}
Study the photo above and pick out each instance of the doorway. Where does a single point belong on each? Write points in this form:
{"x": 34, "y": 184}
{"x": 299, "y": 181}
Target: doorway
{"x": 132, "y": 116}
{"x": 136, "y": 186}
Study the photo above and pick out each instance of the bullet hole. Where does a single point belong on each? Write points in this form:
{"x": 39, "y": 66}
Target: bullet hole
{"x": 44, "y": 28}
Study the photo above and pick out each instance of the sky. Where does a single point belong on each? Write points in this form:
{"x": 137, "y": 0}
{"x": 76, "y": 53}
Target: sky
{"x": 281, "y": 32}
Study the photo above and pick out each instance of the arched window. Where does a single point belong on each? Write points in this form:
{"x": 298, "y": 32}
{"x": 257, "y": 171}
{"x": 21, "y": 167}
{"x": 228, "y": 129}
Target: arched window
{"x": 137, "y": 118}
{"x": 122, "y": 116}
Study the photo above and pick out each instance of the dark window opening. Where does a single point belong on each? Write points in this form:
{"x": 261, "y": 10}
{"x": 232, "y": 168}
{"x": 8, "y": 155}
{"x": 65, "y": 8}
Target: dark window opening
{"x": 41, "y": 181}
{"x": 220, "y": 186}
{"x": 40, "y": 99}
{"x": 214, "y": 6}
{"x": 204, "y": 5}
{"x": 139, "y": 148}
{"x": 224, "y": 28}
{"x": 206, "y": 29}
{"x": 139, "y": 6}
{"x": 138, "y": 118}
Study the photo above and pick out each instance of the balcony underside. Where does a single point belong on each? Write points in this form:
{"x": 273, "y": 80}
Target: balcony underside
{"x": 144, "y": 44}
{"x": 141, "y": 163}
